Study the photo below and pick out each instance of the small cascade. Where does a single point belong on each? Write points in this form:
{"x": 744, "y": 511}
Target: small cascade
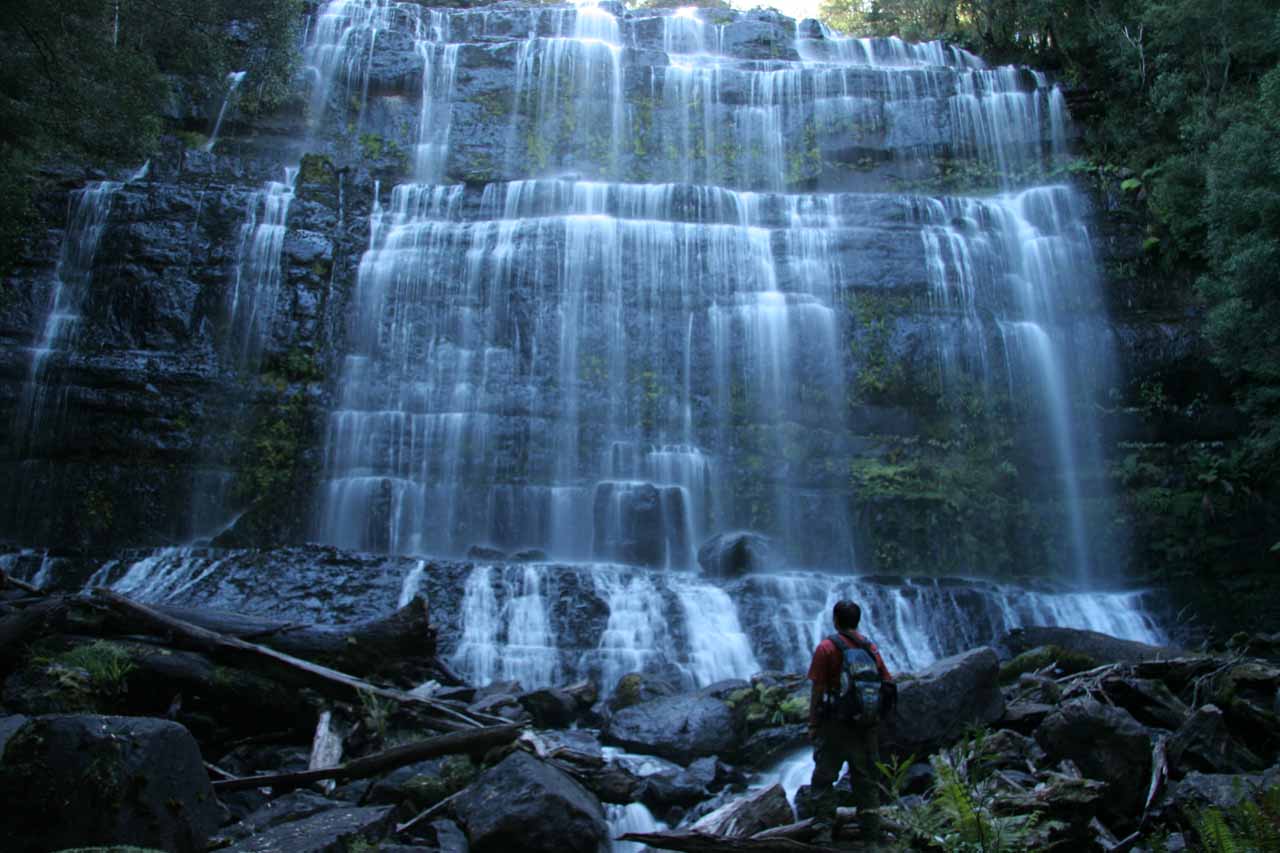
{"x": 507, "y": 638}
{"x": 792, "y": 773}
{"x": 165, "y": 574}
{"x": 234, "y": 79}
{"x": 256, "y": 279}
{"x": 718, "y": 647}
{"x": 412, "y": 583}
{"x": 633, "y": 817}
{"x": 544, "y": 624}
{"x": 72, "y": 277}
{"x": 637, "y": 637}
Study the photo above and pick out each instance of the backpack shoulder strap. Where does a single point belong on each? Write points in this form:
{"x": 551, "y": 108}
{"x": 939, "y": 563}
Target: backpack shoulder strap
{"x": 840, "y": 641}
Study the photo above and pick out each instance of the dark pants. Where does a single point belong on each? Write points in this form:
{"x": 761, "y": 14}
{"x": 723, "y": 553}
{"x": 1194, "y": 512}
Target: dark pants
{"x": 838, "y": 743}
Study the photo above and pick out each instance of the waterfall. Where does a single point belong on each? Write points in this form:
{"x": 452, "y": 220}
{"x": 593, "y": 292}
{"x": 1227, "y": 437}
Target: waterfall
{"x": 633, "y": 817}
{"x": 234, "y": 79}
{"x": 69, "y": 290}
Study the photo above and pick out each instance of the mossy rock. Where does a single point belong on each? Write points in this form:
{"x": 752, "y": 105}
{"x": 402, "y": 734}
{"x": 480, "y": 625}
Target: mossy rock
{"x": 456, "y": 773}
{"x": 1064, "y": 662}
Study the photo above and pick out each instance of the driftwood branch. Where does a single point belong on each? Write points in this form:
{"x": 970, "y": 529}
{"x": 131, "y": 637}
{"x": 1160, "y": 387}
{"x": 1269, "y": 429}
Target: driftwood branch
{"x": 10, "y": 580}
{"x": 327, "y": 680}
{"x": 471, "y": 740}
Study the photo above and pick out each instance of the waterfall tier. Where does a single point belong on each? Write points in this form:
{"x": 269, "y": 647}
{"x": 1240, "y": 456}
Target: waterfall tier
{"x": 545, "y": 624}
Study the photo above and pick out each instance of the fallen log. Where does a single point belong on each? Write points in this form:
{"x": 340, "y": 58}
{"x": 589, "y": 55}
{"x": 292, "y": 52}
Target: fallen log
{"x": 9, "y": 580}
{"x": 253, "y": 656}
{"x": 705, "y": 842}
{"x": 359, "y": 648}
{"x": 470, "y": 741}
{"x": 19, "y": 625}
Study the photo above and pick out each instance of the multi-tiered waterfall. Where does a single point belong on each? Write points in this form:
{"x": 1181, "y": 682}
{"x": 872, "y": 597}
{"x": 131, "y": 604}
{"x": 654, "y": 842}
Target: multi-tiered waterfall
{"x": 612, "y": 302}
{"x": 634, "y": 334}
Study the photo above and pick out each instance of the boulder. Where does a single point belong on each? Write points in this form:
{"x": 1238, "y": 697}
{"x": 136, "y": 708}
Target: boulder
{"x": 329, "y": 831}
{"x": 550, "y": 707}
{"x": 422, "y": 784}
{"x": 940, "y": 702}
{"x": 680, "y": 728}
{"x": 529, "y": 555}
{"x": 1197, "y": 791}
{"x": 731, "y": 555}
{"x": 76, "y": 780}
{"x": 525, "y": 804}
{"x": 486, "y": 554}
{"x": 294, "y": 806}
{"x": 1008, "y": 750}
{"x": 1204, "y": 744}
{"x": 768, "y": 746}
{"x": 1025, "y": 717}
{"x": 637, "y": 687}
{"x": 1249, "y": 695}
{"x": 1107, "y": 744}
{"x": 688, "y": 786}
{"x": 759, "y": 810}
{"x": 1150, "y": 701}
{"x": 1102, "y": 648}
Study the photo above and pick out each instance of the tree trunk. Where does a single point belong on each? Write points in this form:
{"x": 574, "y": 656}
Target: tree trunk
{"x": 360, "y": 648}
{"x": 286, "y": 668}
{"x": 470, "y": 741}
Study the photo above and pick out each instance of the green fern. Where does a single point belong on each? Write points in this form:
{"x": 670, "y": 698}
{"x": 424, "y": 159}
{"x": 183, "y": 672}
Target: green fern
{"x": 1253, "y": 826}
{"x": 1215, "y": 834}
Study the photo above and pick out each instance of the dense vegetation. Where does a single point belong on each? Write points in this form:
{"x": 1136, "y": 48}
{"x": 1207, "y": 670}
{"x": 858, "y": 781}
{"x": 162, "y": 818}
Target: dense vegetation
{"x": 95, "y": 81}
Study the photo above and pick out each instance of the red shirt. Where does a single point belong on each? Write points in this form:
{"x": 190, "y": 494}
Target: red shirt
{"x": 825, "y": 667}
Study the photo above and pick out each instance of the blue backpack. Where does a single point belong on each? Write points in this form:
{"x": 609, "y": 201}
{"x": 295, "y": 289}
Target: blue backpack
{"x": 858, "y": 703}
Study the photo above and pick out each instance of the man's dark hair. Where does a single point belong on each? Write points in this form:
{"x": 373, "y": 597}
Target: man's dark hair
{"x": 846, "y": 614}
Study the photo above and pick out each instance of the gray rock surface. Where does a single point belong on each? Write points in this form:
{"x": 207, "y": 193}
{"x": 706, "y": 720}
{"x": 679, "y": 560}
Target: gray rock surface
{"x": 680, "y": 728}
{"x": 1204, "y": 744}
{"x": 76, "y": 780}
{"x": 938, "y": 703}
{"x": 730, "y": 555}
{"x": 328, "y": 831}
{"x": 523, "y": 803}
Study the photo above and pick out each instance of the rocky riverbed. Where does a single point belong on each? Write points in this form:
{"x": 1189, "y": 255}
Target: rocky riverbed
{"x": 122, "y": 728}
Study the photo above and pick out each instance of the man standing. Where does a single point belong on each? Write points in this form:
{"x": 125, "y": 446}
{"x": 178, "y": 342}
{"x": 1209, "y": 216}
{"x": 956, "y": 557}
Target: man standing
{"x": 852, "y": 690}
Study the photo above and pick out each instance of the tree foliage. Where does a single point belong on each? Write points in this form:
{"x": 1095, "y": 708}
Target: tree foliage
{"x": 93, "y": 79}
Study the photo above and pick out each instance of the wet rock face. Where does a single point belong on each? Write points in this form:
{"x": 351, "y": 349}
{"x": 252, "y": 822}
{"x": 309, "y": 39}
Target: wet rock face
{"x": 680, "y": 728}
{"x": 523, "y": 803}
{"x": 730, "y": 555}
{"x": 78, "y": 781}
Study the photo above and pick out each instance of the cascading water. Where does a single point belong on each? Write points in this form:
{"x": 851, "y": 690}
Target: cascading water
{"x": 542, "y": 624}
{"x": 86, "y": 222}
{"x": 234, "y": 79}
